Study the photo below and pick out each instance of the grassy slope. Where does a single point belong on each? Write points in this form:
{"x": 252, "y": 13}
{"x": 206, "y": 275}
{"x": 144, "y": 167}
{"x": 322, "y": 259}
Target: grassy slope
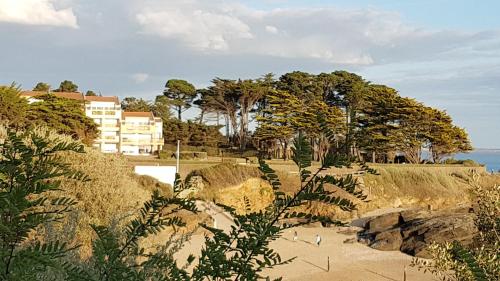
{"x": 440, "y": 186}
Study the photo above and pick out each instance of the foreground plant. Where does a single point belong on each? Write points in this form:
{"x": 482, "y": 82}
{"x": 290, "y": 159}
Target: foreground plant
{"x": 30, "y": 167}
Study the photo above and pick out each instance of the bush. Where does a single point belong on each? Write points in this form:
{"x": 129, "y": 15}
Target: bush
{"x": 466, "y": 162}
{"x": 210, "y": 150}
{"x": 184, "y": 155}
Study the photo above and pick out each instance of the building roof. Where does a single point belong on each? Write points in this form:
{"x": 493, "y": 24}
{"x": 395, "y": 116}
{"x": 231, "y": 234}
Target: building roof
{"x": 102, "y": 99}
{"x": 67, "y": 95}
{"x": 137, "y": 114}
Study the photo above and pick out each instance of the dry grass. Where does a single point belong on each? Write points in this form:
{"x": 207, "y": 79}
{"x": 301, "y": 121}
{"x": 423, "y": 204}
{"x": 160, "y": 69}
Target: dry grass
{"x": 111, "y": 197}
{"x": 225, "y": 175}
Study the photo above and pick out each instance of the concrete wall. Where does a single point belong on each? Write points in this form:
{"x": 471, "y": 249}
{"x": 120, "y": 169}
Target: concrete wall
{"x": 165, "y": 174}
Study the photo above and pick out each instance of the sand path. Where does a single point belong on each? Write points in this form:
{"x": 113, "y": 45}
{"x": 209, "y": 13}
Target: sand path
{"x": 348, "y": 261}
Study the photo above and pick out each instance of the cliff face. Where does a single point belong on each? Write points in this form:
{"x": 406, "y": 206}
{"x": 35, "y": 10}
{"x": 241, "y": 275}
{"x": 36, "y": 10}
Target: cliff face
{"x": 396, "y": 186}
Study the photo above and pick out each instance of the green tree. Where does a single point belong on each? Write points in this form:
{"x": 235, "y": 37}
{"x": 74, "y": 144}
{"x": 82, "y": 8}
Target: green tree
{"x": 90, "y": 93}
{"x": 222, "y": 97}
{"x": 31, "y": 166}
{"x": 445, "y": 138}
{"x": 135, "y": 104}
{"x": 65, "y": 116}
{"x": 249, "y": 92}
{"x": 181, "y": 94}
{"x": 42, "y": 87}
{"x": 67, "y": 86}
{"x": 12, "y": 106}
{"x": 161, "y": 108}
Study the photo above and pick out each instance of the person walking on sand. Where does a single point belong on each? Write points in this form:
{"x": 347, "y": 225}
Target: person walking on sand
{"x": 318, "y": 239}
{"x": 295, "y": 236}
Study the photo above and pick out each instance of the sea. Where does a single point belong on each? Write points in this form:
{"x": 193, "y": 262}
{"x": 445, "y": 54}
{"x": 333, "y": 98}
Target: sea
{"x": 489, "y": 157}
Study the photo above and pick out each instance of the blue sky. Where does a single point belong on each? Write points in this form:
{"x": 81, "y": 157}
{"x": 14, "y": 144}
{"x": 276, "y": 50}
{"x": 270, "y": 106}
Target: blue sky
{"x": 443, "y": 53}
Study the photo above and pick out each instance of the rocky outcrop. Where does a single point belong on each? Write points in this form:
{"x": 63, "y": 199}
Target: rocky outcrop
{"x": 412, "y": 231}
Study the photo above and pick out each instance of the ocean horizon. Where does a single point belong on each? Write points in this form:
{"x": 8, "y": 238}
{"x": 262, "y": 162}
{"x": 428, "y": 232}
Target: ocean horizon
{"x": 489, "y": 157}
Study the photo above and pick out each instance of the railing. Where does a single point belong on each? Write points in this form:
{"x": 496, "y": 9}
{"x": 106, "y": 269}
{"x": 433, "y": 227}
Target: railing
{"x": 137, "y": 142}
{"x": 103, "y": 108}
{"x": 108, "y": 139}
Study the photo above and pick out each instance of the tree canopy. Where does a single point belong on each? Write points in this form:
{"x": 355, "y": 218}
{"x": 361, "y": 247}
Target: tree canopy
{"x": 371, "y": 121}
{"x": 180, "y": 94}
{"x": 12, "y": 106}
{"x": 42, "y": 87}
{"x": 65, "y": 116}
{"x": 67, "y": 86}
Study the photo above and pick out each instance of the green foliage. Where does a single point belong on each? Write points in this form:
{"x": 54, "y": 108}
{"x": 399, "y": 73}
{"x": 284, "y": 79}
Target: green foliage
{"x": 67, "y": 86}
{"x": 30, "y": 167}
{"x": 180, "y": 94}
{"x": 135, "y": 104}
{"x": 12, "y": 106}
{"x": 42, "y": 87}
{"x": 466, "y": 162}
{"x": 65, "y": 116}
{"x": 90, "y": 93}
{"x": 191, "y": 133}
{"x": 160, "y": 107}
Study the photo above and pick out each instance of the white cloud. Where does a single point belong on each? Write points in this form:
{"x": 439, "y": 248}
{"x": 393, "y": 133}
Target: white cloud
{"x": 139, "y": 77}
{"x": 200, "y": 29}
{"x": 36, "y": 12}
{"x": 327, "y": 34}
{"x": 271, "y": 29}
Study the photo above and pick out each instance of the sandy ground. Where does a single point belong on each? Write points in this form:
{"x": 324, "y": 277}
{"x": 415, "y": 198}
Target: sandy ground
{"x": 348, "y": 261}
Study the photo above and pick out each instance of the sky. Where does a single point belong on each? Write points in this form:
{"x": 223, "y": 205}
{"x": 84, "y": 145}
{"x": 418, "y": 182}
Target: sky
{"x": 444, "y": 53}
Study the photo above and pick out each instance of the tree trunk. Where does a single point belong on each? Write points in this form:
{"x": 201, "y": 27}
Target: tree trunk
{"x": 201, "y": 116}
{"x": 285, "y": 150}
{"x": 179, "y": 112}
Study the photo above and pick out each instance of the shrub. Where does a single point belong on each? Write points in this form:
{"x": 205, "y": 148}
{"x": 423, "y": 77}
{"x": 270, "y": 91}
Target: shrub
{"x": 184, "y": 155}
{"x": 466, "y": 162}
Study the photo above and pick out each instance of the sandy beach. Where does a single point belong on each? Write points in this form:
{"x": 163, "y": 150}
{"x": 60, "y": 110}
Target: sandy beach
{"x": 348, "y": 261}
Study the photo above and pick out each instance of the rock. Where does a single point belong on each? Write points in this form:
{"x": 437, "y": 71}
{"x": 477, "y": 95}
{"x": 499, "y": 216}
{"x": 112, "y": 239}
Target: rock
{"x": 412, "y": 231}
{"x": 350, "y": 241}
{"x": 383, "y": 222}
{"x": 445, "y": 228}
{"x": 412, "y": 214}
{"x": 389, "y": 240}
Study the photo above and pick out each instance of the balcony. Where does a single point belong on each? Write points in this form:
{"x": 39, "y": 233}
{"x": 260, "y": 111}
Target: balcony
{"x": 109, "y": 127}
{"x": 126, "y": 141}
{"x": 137, "y": 129}
{"x": 109, "y": 139}
{"x": 103, "y": 113}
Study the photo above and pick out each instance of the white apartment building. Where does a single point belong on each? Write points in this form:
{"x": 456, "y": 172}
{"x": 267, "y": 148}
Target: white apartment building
{"x": 106, "y": 113}
{"x": 131, "y": 133}
{"x": 141, "y": 133}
